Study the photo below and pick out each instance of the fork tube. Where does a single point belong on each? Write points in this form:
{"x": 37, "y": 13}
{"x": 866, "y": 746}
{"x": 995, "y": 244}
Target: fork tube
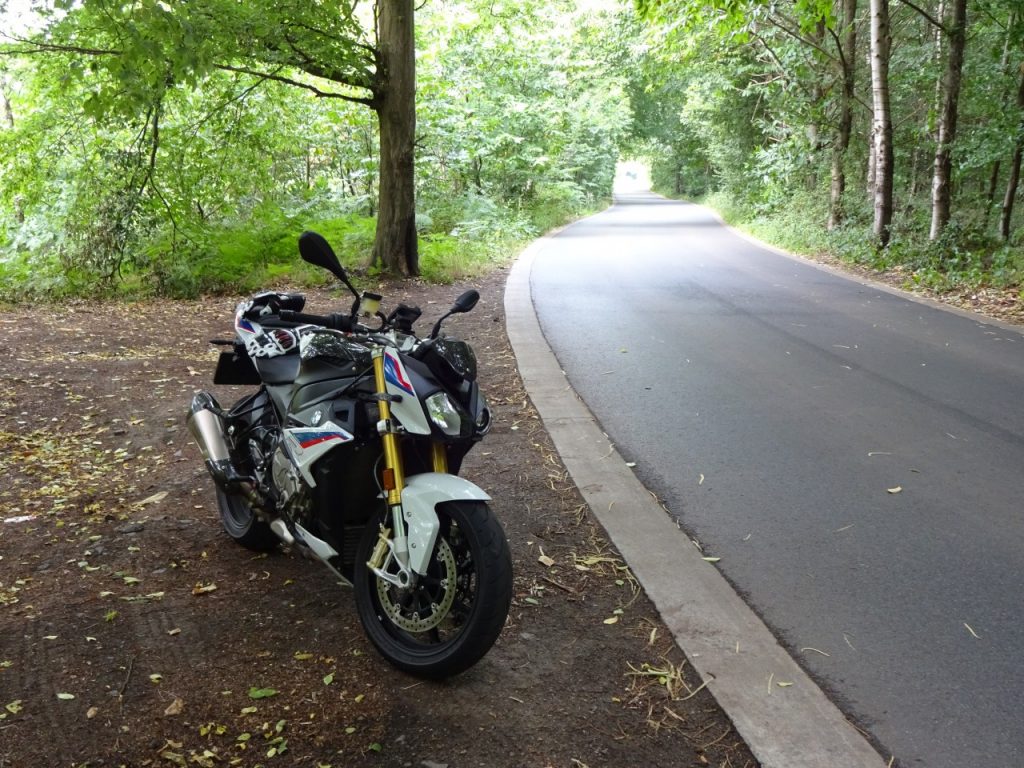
{"x": 439, "y": 456}
{"x": 392, "y": 455}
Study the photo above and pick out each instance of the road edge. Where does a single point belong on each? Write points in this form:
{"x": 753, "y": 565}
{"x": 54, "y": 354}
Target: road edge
{"x": 785, "y": 718}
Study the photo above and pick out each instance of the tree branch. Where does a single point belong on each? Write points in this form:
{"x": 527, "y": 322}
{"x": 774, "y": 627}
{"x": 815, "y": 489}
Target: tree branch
{"x": 782, "y": 67}
{"x": 931, "y": 19}
{"x": 774, "y": 21}
{"x": 366, "y": 101}
{"x": 308, "y": 66}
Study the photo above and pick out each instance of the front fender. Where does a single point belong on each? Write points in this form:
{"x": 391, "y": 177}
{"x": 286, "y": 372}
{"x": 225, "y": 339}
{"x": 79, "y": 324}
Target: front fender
{"x": 420, "y": 497}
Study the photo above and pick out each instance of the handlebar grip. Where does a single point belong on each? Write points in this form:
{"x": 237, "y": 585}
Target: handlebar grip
{"x": 336, "y": 321}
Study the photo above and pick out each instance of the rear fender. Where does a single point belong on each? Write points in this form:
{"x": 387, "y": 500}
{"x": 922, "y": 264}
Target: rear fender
{"x": 420, "y": 497}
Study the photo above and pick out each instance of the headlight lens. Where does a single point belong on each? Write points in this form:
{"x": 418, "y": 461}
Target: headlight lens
{"x": 443, "y": 413}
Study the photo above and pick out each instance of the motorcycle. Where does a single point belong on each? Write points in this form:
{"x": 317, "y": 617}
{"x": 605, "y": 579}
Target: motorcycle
{"x": 349, "y": 451}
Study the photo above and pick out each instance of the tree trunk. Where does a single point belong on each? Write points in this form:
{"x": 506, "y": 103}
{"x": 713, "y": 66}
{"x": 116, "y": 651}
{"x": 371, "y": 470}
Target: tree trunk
{"x": 947, "y": 119}
{"x": 872, "y": 164}
{"x": 1004, "y": 67}
{"x": 8, "y": 112}
{"x": 993, "y": 183}
{"x": 395, "y": 246}
{"x": 843, "y": 130}
{"x": 881, "y": 42}
{"x": 1011, "y": 184}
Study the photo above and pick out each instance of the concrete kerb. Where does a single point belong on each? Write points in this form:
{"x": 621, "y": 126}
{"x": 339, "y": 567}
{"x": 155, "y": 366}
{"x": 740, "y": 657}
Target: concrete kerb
{"x": 778, "y": 710}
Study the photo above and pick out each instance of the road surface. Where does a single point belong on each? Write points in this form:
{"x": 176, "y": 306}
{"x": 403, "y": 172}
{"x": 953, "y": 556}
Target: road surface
{"x": 855, "y": 458}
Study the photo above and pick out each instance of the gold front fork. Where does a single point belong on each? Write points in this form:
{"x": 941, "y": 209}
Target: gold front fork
{"x": 393, "y": 475}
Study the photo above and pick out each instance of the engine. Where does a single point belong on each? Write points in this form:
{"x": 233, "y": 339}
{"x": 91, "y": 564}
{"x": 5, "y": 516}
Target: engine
{"x": 288, "y": 482}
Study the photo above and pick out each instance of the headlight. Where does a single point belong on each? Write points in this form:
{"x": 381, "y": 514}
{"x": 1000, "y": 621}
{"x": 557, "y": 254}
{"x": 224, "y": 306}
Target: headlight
{"x": 483, "y": 415}
{"x": 443, "y": 413}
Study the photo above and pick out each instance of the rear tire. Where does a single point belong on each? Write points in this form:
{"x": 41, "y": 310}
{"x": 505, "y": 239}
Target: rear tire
{"x": 453, "y": 617}
{"x": 242, "y": 524}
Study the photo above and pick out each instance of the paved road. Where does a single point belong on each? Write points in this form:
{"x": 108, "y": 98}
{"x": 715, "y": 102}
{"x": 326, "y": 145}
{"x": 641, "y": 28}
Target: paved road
{"x": 772, "y": 405}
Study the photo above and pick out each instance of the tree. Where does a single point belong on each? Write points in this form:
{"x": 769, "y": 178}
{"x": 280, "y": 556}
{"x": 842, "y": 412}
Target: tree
{"x": 395, "y": 103}
{"x": 1006, "y": 215}
{"x": 151, "y": 47}
{"x": 881, "y": 44}
{"x": 847, "y": 62}
{"x": 948, "y": 114}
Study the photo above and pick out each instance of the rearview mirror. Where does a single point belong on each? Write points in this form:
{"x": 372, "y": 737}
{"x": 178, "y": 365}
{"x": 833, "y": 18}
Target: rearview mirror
{"x": 465, "y": 302}
{"x": 315, "y": 250}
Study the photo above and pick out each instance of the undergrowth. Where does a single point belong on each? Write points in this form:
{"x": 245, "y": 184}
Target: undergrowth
{"x": 458, "y": 238}
{"x": 966, "y": 256}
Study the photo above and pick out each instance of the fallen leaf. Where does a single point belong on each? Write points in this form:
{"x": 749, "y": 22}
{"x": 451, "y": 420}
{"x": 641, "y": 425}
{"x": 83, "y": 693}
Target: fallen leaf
{"x": 897, "y": 489}
{"x": 630, "y": 464}
{"x": 544, "y": 559}
{"x": 91, "y": 713}
{"x": 202, "y": 589}
{"x": 783, "y": 685}
{"x": 156, "y": 677}
{"x": 173, "y": 632}
{"x": 261, "y": 693}
{"x": 712, "y": 559}
{"x": 65, "y": 696}
{"x": 14, "y": 707}
{"x": 248, "y": 710}
{"x": 301, "y": 656}
{"x": 815, "y": 650}
{"x": 612, "y": 620}
{"x": 156, "y": 498}
{"x": 329, "y": 678}
{"x": 970, "y": 629}
{"x": 175, "y": 708}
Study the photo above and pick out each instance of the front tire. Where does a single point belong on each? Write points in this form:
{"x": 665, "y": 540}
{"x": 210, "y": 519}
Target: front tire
{"x": 452, "y": 618}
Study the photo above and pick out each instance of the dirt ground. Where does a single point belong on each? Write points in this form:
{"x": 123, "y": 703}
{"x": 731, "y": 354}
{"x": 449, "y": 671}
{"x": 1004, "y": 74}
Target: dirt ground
{"x": 134, "y": 632}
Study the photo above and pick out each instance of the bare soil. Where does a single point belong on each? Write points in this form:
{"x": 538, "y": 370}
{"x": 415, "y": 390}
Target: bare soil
{"x": 134, "y": 632}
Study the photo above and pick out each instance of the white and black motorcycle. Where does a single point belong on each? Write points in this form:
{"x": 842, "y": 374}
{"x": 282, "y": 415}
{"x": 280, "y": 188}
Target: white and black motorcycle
{"x": 350, "y": 450}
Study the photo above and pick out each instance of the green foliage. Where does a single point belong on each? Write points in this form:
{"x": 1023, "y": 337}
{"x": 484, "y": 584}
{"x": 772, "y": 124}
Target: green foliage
{"x": 164, "y": 162}
{"x": 740, "y": 99}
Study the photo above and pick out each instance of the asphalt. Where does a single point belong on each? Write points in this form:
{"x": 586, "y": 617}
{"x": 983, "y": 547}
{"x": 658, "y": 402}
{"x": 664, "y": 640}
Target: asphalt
{"x": 785, "y": 718}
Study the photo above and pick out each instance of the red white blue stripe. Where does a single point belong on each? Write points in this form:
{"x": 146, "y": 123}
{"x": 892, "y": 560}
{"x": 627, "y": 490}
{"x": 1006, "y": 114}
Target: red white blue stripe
{"x": 394, "y": 374}
{"x": 309, "y": 437}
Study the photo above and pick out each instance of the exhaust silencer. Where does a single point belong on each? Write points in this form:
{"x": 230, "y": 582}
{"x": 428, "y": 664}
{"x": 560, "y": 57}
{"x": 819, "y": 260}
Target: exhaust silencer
{"x": 207, "y": 428}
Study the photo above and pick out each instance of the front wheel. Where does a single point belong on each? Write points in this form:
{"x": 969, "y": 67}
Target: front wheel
{"x": 452, "y": 617}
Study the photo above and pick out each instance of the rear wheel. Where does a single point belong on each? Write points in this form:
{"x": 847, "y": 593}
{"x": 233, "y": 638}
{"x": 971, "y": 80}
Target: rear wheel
{"x": 242, "y": 524}
{"x": 452, "y": 617}
{"x": 236, "y": 513}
